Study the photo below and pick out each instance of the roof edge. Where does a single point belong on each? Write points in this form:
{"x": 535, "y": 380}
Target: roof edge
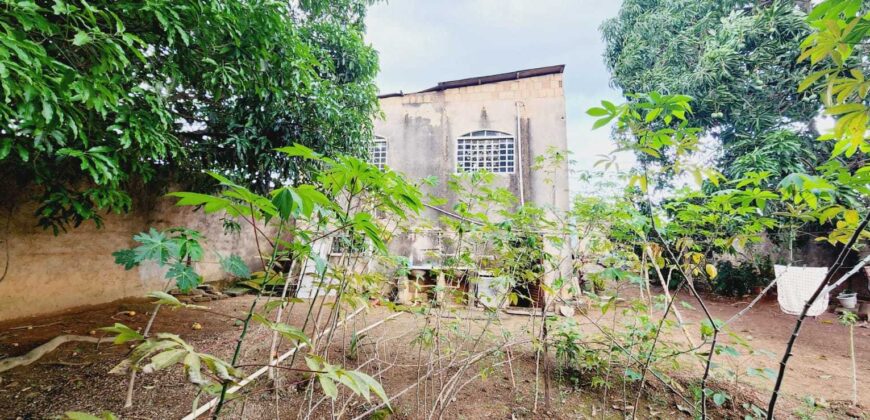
{"x": 482, "y": 80}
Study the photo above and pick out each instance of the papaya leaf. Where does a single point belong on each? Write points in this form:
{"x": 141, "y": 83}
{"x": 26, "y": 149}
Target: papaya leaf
{"x": 126, "y": 257}
{"x": 184, "y": 275}
{"x": 234, "y": 265}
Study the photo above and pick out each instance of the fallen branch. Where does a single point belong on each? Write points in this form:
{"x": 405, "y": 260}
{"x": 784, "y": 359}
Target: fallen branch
{"x": 37, "y": 353}
{"x": 469, "y": 360}
{"x": 846, "y": 276}
{"x": 63, "y": 363}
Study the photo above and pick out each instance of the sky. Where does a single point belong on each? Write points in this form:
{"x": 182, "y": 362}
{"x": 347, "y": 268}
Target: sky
{"x": 423, "y": 42}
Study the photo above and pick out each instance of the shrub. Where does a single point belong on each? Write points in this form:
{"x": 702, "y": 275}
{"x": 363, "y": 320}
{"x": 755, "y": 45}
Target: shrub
{"x": 740, "y": 279}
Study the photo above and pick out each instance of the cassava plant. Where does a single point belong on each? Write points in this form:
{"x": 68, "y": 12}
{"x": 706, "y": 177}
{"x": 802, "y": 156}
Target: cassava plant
{"x": 287, "y": 223}
{"x": 698, "y": 224}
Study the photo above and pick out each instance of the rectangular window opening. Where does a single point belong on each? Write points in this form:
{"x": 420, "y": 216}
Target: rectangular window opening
{"x": 491, "y": 154}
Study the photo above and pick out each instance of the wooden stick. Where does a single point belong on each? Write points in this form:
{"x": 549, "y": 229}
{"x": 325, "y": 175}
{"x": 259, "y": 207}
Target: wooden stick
{"x": 665, "y": 286}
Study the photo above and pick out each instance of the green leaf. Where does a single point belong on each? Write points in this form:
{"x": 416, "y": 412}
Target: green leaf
{"x": 209, "y": 203}
{"x": 601, "y": 122}
{"x": 719, "y": 398}
{"x": 81, "y": 38}
{"x": 632, "y": 374}
{"x": 364, "y": 222}
{"x": 192, "y": 365}
{"x": 189, "y": 248}
{"x": 185, "y": 277}
{"x": 236, "y": 266}
{"x": 597, "y": 112}
{"x": 845, "y": 109}
{"x": 298, "y": 150}
{"x": 851, "y": 217}
{"x": 164, "y": 298}
{"x": 269, "y": 306}
{"x": 123, "y": 333}
{"x": 5, "y": 148}
{"x": 706, "y": 328}
{"x": 311, "y": 198}
{"x": 220, "y": 368}
{"x": 730, "y": 351}
{"x": 329, "y": 388}
{"x": 285, "y": 330}
{"x": 156, "y": 246}
{"x": 126, "y": 257}
{"x": 812, "y": 78}
{"x": 320, "y": 264}
{"x": 375, "y": 386}
{"x": 47, "y": 112}
{"x": 164, "y": 360}
{"x": 285, "y": 200}
{"x": 23, "y": 153}
{"x": 650, "y": 116}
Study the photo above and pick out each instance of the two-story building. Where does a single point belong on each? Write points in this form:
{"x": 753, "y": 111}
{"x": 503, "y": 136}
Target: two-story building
{"x": 499, "y": 123}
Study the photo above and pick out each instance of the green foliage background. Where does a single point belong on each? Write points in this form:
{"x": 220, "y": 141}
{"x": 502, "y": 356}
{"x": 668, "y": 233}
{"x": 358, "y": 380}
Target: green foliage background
{"x": 738, "y": 60}
{"x": 103, "y": 98}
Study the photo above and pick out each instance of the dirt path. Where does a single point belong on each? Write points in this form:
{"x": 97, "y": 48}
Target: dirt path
{"x": 820, "y": 366}
{"x": 74, "y": 376}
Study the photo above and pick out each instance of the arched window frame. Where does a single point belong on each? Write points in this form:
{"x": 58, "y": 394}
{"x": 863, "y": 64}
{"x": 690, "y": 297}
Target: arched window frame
{"x": 491, "y": 150}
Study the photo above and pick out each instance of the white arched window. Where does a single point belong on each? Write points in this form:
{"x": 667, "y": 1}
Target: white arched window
{"x": 378, "y": 152}
{"x": 489, "y": 150}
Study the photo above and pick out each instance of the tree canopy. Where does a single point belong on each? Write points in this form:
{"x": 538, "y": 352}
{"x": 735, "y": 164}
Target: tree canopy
{"x": 101, "y": 98}
{"x": 738, "y": 61}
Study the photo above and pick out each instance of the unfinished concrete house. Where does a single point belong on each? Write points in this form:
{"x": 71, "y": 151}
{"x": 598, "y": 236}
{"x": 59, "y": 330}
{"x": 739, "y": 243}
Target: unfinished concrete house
{"x": 500, "y": 123}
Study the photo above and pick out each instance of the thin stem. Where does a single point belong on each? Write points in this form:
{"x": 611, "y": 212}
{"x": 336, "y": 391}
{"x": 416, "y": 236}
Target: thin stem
{"x": 797, "y": 327}
{"x": 250, "y": 315}
{"x": 854, "y": 366}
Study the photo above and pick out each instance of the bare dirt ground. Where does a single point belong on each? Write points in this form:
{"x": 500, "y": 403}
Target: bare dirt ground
{"x": 820, "y": 366}
{"x": 74, "y": 377}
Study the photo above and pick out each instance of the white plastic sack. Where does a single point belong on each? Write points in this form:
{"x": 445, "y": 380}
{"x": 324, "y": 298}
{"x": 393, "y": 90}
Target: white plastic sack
{"x": 796, "y": 285}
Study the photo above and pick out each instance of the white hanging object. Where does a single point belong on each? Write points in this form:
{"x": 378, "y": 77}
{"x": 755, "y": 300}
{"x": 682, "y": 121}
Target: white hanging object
{"x": 796, "y": 285}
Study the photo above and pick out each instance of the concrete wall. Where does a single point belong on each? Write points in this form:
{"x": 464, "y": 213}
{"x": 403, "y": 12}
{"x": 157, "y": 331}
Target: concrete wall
{"x": 421, "y": 131}
{"x": 48, "y": 274}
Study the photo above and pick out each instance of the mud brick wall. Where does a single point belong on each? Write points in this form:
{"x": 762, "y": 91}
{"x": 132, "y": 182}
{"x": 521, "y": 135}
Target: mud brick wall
{"x": 50, "y": 274}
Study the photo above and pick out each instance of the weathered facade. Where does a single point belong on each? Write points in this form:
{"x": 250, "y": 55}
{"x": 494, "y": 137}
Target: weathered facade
{"x": 501, "y": 123}
{"x": 423, "y": 132}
